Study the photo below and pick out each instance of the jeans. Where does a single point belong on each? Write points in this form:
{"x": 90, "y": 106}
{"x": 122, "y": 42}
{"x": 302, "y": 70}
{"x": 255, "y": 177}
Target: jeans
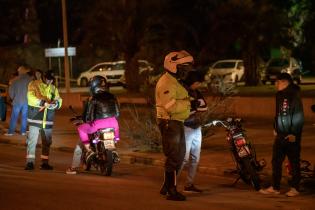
{"x": 77, "y": 153}
{"x": 16, "y": 109}
{"x": 292, "y": 150}
{"x": 193, "y": 139}
{"x": 31, "y": 142}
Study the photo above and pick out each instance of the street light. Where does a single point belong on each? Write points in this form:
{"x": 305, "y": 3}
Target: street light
{"x": 65, "y": 41}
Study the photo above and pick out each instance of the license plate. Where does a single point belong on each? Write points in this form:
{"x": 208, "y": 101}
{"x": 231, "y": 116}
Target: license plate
{"x": 109, "y": 144}
{"x": 108, "y": 135}
{"x": 243, "y": 151}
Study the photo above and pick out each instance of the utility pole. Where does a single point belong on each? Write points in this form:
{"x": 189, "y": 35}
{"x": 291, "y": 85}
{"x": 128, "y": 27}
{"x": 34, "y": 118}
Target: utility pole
{"x": 65, "y": 42}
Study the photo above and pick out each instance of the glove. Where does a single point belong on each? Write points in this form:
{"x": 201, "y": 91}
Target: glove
{"x": 194, "y": 104}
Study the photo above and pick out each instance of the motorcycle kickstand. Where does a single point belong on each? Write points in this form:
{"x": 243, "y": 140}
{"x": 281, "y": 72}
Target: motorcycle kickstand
{"x": 236, "y": 180}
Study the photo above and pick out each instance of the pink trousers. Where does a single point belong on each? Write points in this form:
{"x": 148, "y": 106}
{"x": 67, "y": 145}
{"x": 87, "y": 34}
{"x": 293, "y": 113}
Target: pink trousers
{"x": 89, "y": 128}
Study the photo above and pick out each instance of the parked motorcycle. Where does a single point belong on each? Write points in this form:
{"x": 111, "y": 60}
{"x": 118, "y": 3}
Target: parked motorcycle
{"x": 102, "y": 143}
{"x": 244, "y": 155}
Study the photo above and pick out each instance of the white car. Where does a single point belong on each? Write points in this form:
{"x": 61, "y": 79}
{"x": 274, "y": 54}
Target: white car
{"x": 113, "y": 72}
{"x": 230, "y": 71}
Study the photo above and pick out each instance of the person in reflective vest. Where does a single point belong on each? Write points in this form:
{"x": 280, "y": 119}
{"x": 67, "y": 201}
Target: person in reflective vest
{"x": 43, "y": 99}
{"x": 172, "y": 108}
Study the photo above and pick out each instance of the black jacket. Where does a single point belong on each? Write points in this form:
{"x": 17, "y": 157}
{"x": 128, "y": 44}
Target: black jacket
{"x": 101, "y": 105}
{"x": 289, "y": 117}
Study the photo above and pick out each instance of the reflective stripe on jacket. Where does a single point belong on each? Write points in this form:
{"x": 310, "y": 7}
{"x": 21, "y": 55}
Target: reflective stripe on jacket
{"x": 39, "y": 92}
{"x": 172, "y": 100}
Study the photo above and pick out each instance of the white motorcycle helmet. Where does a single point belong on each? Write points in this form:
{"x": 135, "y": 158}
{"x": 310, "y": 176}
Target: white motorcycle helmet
{"x": 173, "y": 59}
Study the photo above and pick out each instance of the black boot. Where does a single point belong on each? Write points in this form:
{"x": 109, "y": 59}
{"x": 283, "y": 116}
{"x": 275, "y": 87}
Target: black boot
{"x": 163, "y": 190}
{"x": 172, "y": 191}
{"x": 45, "y": 165}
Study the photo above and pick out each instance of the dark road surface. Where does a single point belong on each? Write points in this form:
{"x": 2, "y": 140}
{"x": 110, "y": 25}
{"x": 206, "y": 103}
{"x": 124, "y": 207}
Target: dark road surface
{"x": 130, "y": 187}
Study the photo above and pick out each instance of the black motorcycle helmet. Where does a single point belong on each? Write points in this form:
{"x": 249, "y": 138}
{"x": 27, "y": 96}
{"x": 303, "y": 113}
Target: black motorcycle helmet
{"x": 98, "y": 84}
{"x": 49, "y": 76}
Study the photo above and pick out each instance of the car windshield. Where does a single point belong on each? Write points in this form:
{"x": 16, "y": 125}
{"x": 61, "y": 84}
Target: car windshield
{"x": 279, "y": 62}
{"x": 224, "y": 65}
{"x": 119, "y": 66}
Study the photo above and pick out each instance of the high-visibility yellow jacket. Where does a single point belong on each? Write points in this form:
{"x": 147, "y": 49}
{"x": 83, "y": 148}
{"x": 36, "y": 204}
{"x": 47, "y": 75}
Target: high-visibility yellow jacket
{"x": 172, "y": 99}
{"x": 39, "y": 93}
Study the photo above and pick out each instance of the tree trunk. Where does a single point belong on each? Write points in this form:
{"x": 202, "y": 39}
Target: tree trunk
{"x": 132, "y": 74}
{"x": 251, "y": 73}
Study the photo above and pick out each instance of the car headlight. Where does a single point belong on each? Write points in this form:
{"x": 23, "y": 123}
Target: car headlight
{"x": 284, "y": 71}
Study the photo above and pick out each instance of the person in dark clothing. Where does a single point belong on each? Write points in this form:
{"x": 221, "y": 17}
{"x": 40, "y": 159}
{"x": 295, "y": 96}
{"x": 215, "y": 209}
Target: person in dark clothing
{"x": 172, "y": 108}
{"x": 101, "y": 111}
{"x": 288, "y": 127}
{"x": 18, "y": 94}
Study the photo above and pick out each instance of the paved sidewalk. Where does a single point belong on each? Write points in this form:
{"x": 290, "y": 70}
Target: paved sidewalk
{"x": 215, "y": 155}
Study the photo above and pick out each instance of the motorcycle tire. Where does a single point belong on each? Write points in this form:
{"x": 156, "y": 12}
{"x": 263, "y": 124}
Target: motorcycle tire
{"x": 249, "y": 174}
{"x": 106, "y": 165}
{"x": 86, "y": 166}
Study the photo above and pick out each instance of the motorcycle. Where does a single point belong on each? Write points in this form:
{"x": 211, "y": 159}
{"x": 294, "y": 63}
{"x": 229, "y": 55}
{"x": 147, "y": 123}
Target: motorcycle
{"x": 243, "y": 152}
{"x": 102, "y": 143}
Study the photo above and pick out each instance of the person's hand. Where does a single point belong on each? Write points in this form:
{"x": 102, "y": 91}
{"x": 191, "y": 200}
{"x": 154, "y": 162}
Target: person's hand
{"x": 194, "y": 104}
{"x": 290, "y": 138}
{"x": 274, "y": 132}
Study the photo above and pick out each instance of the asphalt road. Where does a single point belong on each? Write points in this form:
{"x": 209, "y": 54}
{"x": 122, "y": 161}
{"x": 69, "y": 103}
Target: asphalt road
{"x": 130, "y": 187}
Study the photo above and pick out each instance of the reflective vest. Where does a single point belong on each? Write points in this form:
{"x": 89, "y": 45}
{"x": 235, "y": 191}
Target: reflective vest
{"x": 172, "y": 100}
{"x": 38, "y": 93}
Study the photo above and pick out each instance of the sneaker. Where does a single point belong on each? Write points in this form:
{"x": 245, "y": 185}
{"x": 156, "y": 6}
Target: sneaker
{"x": 29, "y": 166}
{"x": 89, "y": 156}
{"x": 46, "y": 166}
{"x": 192, "y": 189}
{"x": 8, "y": 134}
{"x": 269, "y": 191}
{"x": 292, "y": 192}
{"x": 71, "y": 170}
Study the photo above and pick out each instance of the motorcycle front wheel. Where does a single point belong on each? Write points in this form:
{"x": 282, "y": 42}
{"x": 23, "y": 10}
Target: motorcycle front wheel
{"x": 106, "y": 164}
{"x": 248, "y": 173}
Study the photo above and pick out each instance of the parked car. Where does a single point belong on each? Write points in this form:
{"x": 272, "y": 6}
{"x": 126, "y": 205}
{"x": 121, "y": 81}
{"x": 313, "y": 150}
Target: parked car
{"x": 230, "y": 71}
{"x": 276, "y": 66}
{"x": 113, "y": 72}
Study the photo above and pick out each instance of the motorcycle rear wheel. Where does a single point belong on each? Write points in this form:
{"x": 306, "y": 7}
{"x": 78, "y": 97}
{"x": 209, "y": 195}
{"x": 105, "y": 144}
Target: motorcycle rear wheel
{"x": 248, "y": 173}
{"x": 106, "y": 164}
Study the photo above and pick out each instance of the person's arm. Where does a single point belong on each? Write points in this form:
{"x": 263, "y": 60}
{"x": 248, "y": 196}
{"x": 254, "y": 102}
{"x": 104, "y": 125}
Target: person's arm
{"x": 12, "y": 90}
{"x": 117, "y": 111}
{"x": 56, "y": 98}
{"x": 170, "y": 102}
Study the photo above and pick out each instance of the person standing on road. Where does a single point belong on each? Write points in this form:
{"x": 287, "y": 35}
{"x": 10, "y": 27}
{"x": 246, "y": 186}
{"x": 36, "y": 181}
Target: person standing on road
{"x": 43, "y": 99}
{"x": 173, "y": 107}
{"x": 192, "y": 128}
{"x": 101, "y": 111}
{"x": 18, "y": 94}
{"x": 288, "y": 127}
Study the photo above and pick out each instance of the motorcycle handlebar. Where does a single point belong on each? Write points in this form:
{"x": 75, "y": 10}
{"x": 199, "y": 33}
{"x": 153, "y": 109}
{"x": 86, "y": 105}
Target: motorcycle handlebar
{"x": 217, "y": 123}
